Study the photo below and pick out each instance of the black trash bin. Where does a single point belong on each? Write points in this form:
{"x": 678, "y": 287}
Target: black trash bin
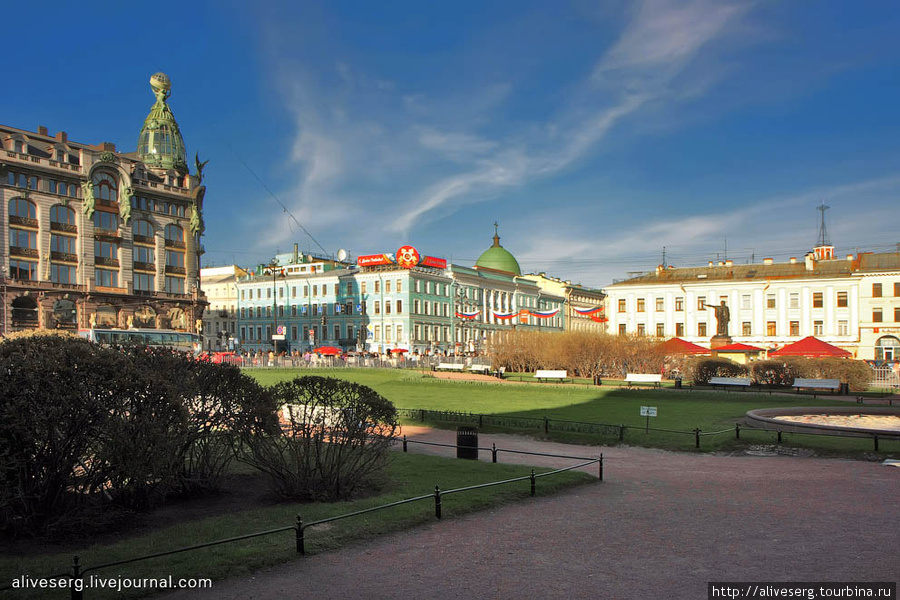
{"x": 678, "y": 383}
{"x": 467, "y": 443}
{"x": 844, "y": 389}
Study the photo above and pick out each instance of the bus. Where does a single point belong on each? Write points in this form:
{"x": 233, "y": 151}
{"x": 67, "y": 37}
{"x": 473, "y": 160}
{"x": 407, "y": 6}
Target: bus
{"x": 158, "y": 338}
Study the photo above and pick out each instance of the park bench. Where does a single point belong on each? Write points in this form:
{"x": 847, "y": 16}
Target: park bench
{"x": 483, "y": 369}
{"x": 727, "y": 382}
{"x": 500, "y": 372}
{"x": 542, "y": 374}
{"x": 817, "y": 384}
{"x": 449, "y": 367}
{"x": 633, "y": 378}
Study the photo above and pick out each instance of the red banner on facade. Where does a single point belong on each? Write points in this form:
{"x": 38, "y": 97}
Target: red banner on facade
{"x": 371, "y": 260}
{"x": 430, "y": 261}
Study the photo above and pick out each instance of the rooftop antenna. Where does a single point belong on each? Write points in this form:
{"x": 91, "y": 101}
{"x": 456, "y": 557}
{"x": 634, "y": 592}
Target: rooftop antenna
{"x": 664, "y": 258}
{"x": 823, "y": 233}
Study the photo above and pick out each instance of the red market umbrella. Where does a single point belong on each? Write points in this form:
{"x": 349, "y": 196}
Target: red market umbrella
{"x": 328, "y": 351}
{"x": 811, "y": 348}
{"x": 739, "y": 348}
{"x": 398, "y": 350}
{"x": 680, "y": 346}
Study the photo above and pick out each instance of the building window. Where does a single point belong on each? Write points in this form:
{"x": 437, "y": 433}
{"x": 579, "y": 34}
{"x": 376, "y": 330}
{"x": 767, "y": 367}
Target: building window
{"x": 642, "y": 329}
{"x": 640, "y": 304}
{"x": 679, "y": 304}
{"x": 818, "y": 299}
{"x": 146, "y": 282}
{"x": 622, "y": 305}
{"x": 377, "y": 287}
{"x": 660, "y": 304}
{"x": 794, "y": 300}
{"x": 794, "y": 328}
{"x": 746, "y": 328}
{"x": 106, "y": 278}
{"x": 622, "y": 329}
{"x": 23, "y": 239}
{"x": 770, "y": 328}
{"x": 876, "y": 290}
{"x": 416, "y": 307}
{"x": 399, "y": 290}
{"x": 145, "y": 254}
{"x": 770, "y": 300}
{"x": 387, "y": 290}
{"x": 701, "y": 329}
{"x": 660, "y": 330}
{"x": 22, "y": 208}
{"x": 107, "y": 250}
{"x": 174, "y": 259}
{"x": 23, "y": 270}
{"x": 105, "y": 188}
{"x": 745, "y": 301}
{"x": 62, "y": 273}
{"x": 377, "y": 307}
{"x": 842, "y": 299}
{"x": 399, "y": 307}
{"x": 818, "y": 327}
{"x": 62, "y": 215}
{"x": 387, "y": 307}
{"x": 378, "y": 333}
{"x": 897, "y": 314}
{"x": 897, "y": 289}
{"x": 843, "y": 328}
{"x": 174, "y": 285}
{"x": 876, "y": 315}
{"x": 362, "y": 287}
{"x": 701, "y": 302}
{"x": 679, "y": 329}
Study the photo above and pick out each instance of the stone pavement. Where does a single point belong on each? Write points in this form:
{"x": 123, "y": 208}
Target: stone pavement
{"x": 661, "y": 525}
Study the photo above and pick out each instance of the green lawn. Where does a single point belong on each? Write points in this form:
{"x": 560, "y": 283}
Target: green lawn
{"x": 677, "y": 410}
{"x": 409, "y": 475}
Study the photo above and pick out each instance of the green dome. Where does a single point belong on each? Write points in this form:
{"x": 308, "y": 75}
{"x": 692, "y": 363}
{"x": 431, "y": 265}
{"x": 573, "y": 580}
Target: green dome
{"x": 160, "y": 144}
{"x": 498, "y": 258}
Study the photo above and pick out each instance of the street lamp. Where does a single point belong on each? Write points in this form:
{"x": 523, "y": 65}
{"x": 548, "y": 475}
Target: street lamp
{"x": 273, "y": 267}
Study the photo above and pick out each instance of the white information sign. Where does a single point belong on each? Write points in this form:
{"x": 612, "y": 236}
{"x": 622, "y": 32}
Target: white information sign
{"x": 648, "y": 411}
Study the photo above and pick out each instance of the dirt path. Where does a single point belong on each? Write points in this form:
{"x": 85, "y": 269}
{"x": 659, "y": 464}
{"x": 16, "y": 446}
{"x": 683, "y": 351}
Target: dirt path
{"x": 661, "y": 525}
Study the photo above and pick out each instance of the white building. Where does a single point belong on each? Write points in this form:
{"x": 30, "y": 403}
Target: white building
{"x": 853, "y": 303}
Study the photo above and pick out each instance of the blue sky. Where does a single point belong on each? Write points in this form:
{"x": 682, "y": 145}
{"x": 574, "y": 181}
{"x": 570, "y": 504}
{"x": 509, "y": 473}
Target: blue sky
{"x": 595, "y": 133}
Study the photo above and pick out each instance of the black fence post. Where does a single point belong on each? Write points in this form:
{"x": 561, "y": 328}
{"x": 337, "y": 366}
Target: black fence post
{"x": 779, "y": 436}
{"x": 493, "y": 452}
{"x": 301, "y": 548}
{"x": 404, "y": 443}
{"x": 532, "y": 482}
{"x": 697, "y": 438}
{"x": 875, "y": 439}
{"x": 480, "y": 421}
{"x": 77, "y": 589}
{"x": 546, "y": 425}
{"x": 601, "y": 466}
{"x": 422, "y": 415}
{"x": 437, "y": 502}
{"x": 737, "y": 431}
{"x": 621, "y": 433}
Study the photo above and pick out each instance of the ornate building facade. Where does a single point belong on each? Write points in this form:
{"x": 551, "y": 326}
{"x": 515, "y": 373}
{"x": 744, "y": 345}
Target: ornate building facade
{"x": 94, "y": 237}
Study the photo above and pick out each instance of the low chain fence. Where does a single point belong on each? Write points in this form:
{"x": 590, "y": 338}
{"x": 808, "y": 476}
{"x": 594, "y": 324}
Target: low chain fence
{"x": 78, "y": 571}
{"x": 549, "y": 425}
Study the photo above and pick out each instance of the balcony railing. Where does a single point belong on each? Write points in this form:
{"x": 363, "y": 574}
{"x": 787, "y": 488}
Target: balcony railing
{"x": 27, "y": 252}
{"x": 23, "y": 221}
{"x": 175, "y": 270}
{"x": 63, "y": 257}
{"x": 103, "y": 261}
{"x": 54, "y": 226}
{"x": 144, "y": 266}
{"x": 175, "y": 244}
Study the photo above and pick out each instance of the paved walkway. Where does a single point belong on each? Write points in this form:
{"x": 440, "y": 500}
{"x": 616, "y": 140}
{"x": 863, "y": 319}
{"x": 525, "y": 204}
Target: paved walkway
{"x": 661, "y": 525}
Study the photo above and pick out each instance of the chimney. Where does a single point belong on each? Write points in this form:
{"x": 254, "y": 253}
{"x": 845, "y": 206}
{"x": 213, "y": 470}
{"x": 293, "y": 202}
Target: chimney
{"x": 849, "y": 257}
{"x": 710, "y": 263}
{"x": 61, "y": 136}
{"x": 721, "y": 264}
{"x": 768, "y": 261}
{"x": 296, "y": 253}
{"x": 793, "y": 260}
{"x": 42, "y": 130}
{"x": 729, "y": 263}
{"x": 659, "y": 269}
{"x": 810, "y": 263}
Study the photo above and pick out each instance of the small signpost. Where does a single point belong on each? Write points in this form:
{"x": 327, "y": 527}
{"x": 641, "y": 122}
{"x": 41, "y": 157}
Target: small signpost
{"x": 648, "y": 411}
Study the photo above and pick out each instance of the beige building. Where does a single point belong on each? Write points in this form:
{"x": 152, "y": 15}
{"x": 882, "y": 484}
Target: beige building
{"x": 851, "y": 302}
{"x": 584, "y": 308}
{"x": 219, "y": 285}
{"x": 95, "y": 237}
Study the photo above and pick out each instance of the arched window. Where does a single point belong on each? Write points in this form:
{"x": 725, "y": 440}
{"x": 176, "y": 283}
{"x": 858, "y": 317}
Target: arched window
{"x": 105, "y": 187}
{"x": 142, "y": 229}
{"x": 107, "y": 316}
{"x": 24, "y": 311}
{"x": 145, "y": 316}
{"x": 106, "y": 221}
{"x": 20, "y": 207}
{"x": 62, "y": 215}
{"x": 64, "y": 313}
{"x": 174, "y": 233}
{"x": 887, "y": 348}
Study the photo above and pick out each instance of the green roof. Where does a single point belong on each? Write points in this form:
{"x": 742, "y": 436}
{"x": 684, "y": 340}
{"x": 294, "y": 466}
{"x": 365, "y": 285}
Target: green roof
{"x": 498, "y": 258}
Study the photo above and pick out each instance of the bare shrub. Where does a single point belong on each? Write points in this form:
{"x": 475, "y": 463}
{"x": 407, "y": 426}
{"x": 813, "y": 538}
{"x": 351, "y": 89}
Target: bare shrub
{"x": 701, "y": 370}
{"x": 334, "y": 441}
